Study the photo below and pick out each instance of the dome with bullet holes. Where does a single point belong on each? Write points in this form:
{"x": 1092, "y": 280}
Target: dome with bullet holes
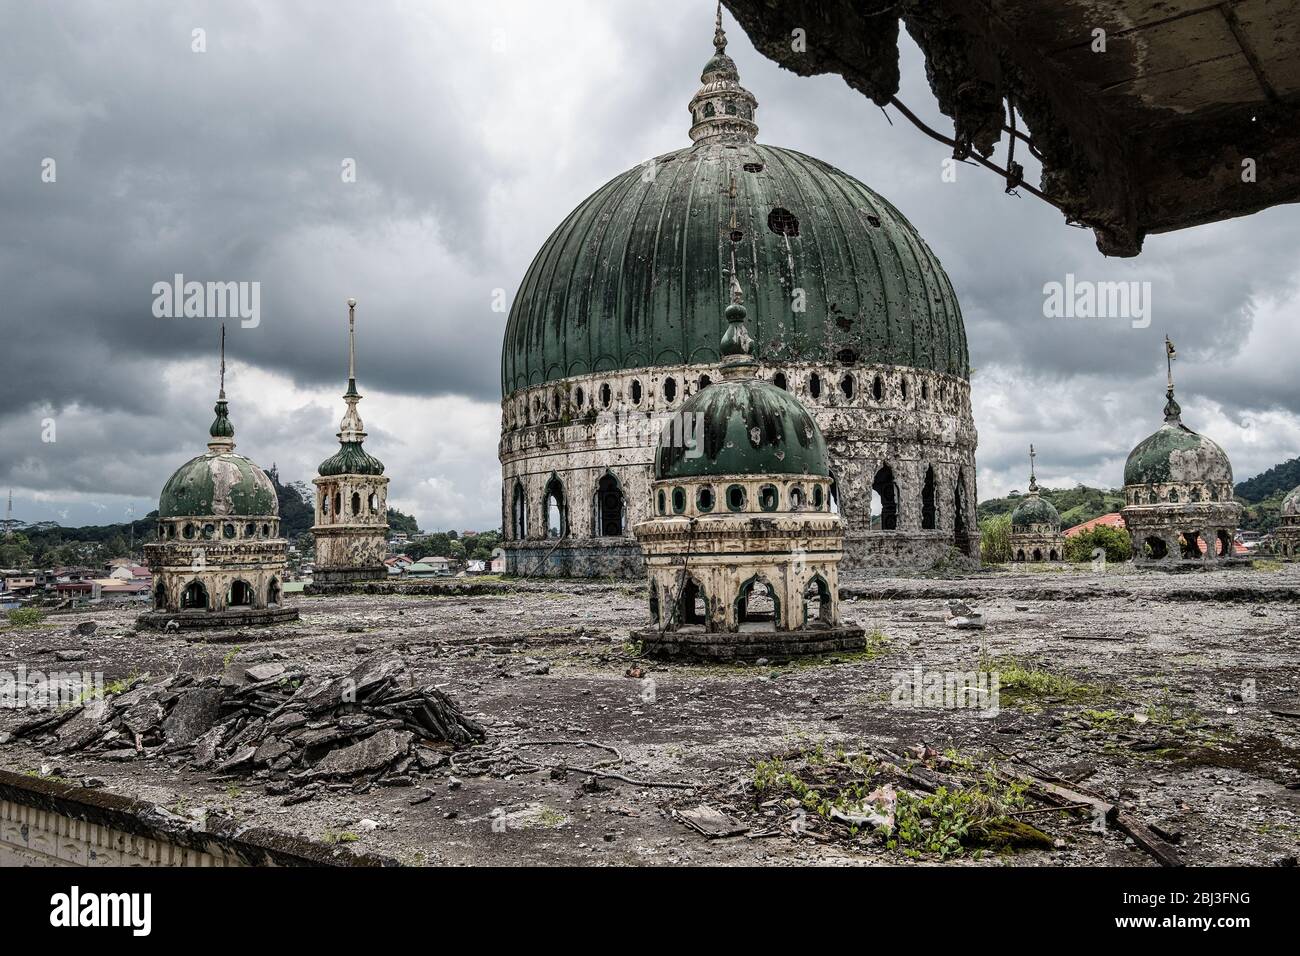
{"x": 629, "y": 278}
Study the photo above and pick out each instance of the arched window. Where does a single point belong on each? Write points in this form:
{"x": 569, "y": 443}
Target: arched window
{"x": 757, "y": 605}
{"x": 877, "y": 388}
{"x": 194, "y": 597}
{"x": 519, "y": 513}
{"x": 779, "y": 380}
{"x": 239, "y": 595}
{"x": 929, "y": 513}
{"x": 670, "y": 389}
{"x": 338, "y": 503}
{"x": 609, "y": 507}
{"x": 885, "y": 490}
{"x": 815, "y": 385}
{"x": 817, "y": 602}
{"x": 833, "y": 496}
{"x": 372, "y": 503}
{"x": 1155, "y": 548}
{"x": 160, "y": 596}
{"x": 553, "y": 504}
{"x": 356, "y": 503}
{"x": 693, "y": 606}
{"x": 273, "y": 593}
{"x": 960, "y": 524}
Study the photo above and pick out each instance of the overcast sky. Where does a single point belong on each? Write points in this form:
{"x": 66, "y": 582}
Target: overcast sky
{"x": 474, "y": 129}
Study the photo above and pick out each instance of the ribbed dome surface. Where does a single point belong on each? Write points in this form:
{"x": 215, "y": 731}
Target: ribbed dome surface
{"x": 217, "y": 485}
{"x": 747, "y": 427}
{"x": 632, "y": 277}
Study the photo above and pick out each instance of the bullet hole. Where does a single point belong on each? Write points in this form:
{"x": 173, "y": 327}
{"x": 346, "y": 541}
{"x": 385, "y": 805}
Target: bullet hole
{"x": 783, "y": 222}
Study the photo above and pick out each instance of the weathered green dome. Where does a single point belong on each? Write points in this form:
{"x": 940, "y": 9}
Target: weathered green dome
{"x": 1034, "y": 510}
{"x": 218, "y": 484}
{"x": 351, "y": 459}
{"x": 1175, "y": 453}
{"x": 630, "y": 278}
{"x": 746, "y": 427}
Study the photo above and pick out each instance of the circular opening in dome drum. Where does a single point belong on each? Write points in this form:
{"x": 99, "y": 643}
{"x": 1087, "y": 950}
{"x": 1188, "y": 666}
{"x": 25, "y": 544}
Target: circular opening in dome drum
{"x": 663, "y": 503}
{"x": 796, "y": 498}
{"x": 768, "y": 497}
{"x": 636, "y": 392}
{"x": 679, "y": 500}
{"x": 783, "y": 222}
{"x": 815, "y": 385}
{"x": 846, "y": 386}
{"x": 753, "y": 167}
{"x": 228, "y": 530}
{"x": 670, "y": 389}
{"x": 579, "y": 395}
{"x": 818, "y": 497}
{"x": 877, "y": 388}
{"x": 605, "y": 395}
{"x": 925, "y": 392}
{"x": 736, "y": 497}
{"x": 704, "y": 500}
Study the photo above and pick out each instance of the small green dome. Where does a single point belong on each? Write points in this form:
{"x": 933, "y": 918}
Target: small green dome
{"x": 1291, "y": 503}
{"x": 350, "y": 459}
{"x": 1175, "y": 453}
{"x": 746, "y": 427}
{"x": 217, "y": 484}
{"x": 1034, "y": 510}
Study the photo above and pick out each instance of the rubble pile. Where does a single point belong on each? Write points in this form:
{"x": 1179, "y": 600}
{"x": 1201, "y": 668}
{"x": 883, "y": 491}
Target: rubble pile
{"x": 273, "y": 722}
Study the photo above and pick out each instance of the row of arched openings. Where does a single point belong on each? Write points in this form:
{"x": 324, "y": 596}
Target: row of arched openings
{"x": 194, "y": 597}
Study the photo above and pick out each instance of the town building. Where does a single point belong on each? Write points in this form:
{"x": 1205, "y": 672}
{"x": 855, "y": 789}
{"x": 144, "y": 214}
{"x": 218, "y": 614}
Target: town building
{"x": 616, "y": 324}
{"x": 742, "y": 549}
{"x": 219, "y": 560}
{"x": 351, "y": 526}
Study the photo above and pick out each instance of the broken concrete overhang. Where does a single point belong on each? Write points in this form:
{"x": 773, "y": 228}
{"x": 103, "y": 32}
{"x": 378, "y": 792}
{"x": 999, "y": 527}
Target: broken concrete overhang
{"x": 1151, "y": 134}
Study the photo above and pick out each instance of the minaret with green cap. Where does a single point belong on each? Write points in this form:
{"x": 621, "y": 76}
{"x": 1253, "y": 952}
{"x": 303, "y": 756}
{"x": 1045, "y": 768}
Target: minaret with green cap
{"x": 351, "y": 458}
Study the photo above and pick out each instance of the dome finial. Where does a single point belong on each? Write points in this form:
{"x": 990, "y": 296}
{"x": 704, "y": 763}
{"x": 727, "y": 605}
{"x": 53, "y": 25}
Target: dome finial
{"x": 1033, "y": 481}
{"x": 737, "y": 345}
{"x": 722, "y": 110}
{"x": 221, "y": 431}
{"x": 1173, "y": 411}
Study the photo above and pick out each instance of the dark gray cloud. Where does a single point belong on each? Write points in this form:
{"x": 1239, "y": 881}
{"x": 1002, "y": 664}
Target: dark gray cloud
{"x": 475, "y": 129}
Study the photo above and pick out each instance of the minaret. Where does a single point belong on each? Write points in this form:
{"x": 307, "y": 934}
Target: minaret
{"x": 722, "y": 111}
{"x": 351, "y": 528}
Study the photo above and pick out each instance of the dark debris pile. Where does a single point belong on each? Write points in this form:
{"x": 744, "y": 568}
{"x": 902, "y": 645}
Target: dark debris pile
{"x": 274, "y": 723}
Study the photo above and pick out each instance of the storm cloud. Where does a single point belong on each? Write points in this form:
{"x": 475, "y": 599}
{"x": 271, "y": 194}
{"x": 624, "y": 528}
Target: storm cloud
{"x": 473, "y": 129}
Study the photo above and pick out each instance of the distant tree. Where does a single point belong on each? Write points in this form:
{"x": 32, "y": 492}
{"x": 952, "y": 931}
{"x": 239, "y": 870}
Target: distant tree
{"x": 1278, "y": 480}
{"x": 1114, "y": 541}
{"x": 15, "y": 551}
{"x": 297, "y": 506}
{"x": 399, "y": 521}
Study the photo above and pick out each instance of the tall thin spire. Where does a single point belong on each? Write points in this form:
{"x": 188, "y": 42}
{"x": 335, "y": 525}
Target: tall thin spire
{"x": 1033, "y": 481}
{"x": 1173, "y": 411}
{"x": 222, "y": 432}
{"x": 722, "y": 110}
{"x": 351, "y": 428}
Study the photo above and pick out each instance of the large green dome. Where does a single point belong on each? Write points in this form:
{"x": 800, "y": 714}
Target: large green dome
{"x": 630, "y": 278}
